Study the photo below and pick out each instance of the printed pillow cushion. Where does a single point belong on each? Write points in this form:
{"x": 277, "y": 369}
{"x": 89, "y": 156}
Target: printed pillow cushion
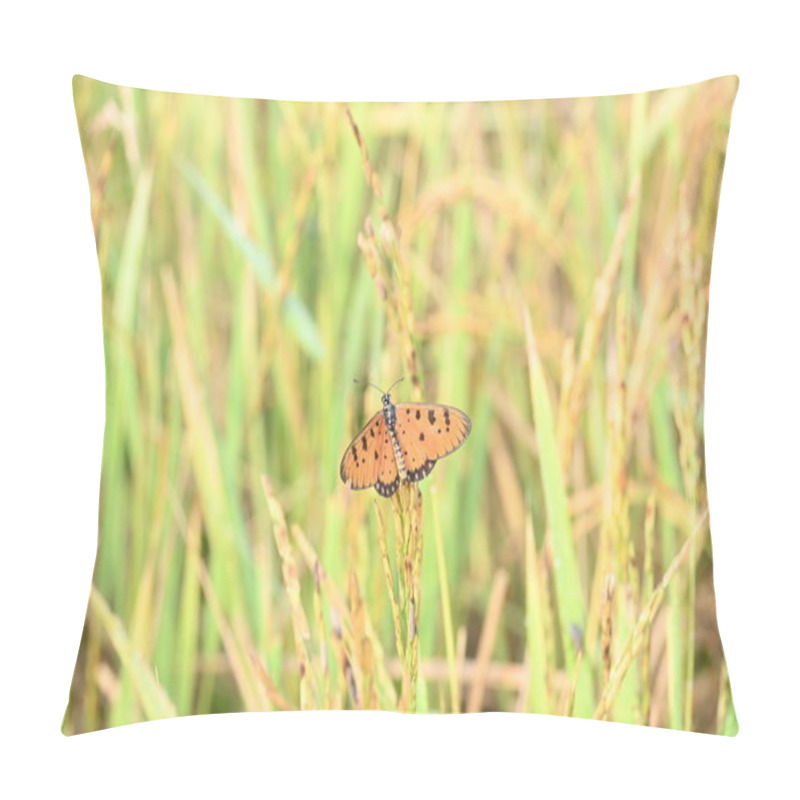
{"x": 274, "y": 535}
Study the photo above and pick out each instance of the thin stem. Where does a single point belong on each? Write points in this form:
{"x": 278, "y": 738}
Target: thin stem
{"x": 447, "y": 614}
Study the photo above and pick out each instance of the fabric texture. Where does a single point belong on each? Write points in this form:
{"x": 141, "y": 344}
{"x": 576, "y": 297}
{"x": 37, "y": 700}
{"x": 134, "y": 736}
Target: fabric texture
{"x": 274, "y": 536}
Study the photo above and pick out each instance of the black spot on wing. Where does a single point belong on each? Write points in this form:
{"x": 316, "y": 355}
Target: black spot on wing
{"x": 364, "y": 442}
{"x": 431, "y": 416}
{"x": 419, "y": 414}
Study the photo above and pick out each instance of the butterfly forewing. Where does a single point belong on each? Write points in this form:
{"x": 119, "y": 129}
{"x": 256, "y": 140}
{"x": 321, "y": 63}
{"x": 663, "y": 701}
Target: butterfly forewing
{"x": 364, "y": 457}
{"x": 427, "y": 432}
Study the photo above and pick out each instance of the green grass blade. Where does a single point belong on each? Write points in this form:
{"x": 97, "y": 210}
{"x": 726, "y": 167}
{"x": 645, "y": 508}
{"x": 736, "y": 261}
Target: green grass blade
{"x": 569, "y": 597}
{"x": 297, "y": 314}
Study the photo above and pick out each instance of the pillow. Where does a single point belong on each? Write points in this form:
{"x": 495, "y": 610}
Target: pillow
{"x": 520, "y": 290}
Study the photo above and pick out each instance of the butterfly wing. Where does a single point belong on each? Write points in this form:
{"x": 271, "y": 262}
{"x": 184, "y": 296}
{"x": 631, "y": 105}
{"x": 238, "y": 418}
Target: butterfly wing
{"x": 388, "y": 474}
{"x": 427, "y": 432}
{"x": 369, "y": 459}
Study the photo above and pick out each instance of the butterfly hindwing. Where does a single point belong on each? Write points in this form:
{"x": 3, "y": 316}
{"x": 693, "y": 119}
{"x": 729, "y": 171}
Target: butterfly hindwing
{"x": 363, "y": 461}
{"x": 388, "y": 475}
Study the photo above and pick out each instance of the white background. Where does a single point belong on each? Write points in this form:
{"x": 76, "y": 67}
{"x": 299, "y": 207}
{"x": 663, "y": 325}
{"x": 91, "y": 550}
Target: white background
{"x": 51, "y": 402}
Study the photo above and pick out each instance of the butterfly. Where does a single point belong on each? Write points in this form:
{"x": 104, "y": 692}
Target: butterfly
{"x": 402, "y": 442}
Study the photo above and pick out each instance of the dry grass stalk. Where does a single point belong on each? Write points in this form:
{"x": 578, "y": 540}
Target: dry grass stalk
{"x": 275, "y": 697}
{"x": 152, "y": 699}
{"x": 607, "y": 625}
{"x": 646, "y": 591}
{"x": 364, "y": 675}
{"x": 593, "y": 327}
{"x": 343, "y": 641}
{"x": 372, "y": 177}
{"x": 292, "y": 585}
{"x": 234, "y": 649}
{"x": 236, "y": 642}
{"x": 495, "y": 675}
{"x": 637, "y": 638}
{"x": 447, "y": 613}
{"x": 387, "y": 570}
{"x": 620, "y": 453}
{"x": 407, "y": 506}
{"x": 395, "y": 290}
{"x": 507, "y": 200}
{"x": 491, "y": 625}
{"x": 693, "y": 310}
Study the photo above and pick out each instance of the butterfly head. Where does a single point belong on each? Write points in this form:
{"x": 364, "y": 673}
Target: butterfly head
{"x": 389, "y": 411}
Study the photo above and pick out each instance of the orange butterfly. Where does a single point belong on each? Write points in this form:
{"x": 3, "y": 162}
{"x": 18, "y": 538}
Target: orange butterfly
{"x": 402, "y": 443}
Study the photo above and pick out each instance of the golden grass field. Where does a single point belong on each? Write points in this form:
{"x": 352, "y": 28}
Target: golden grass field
{"x": 543, "y": 266}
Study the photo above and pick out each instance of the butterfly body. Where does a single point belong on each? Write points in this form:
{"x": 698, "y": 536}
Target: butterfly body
{"x": 402, "y": 443}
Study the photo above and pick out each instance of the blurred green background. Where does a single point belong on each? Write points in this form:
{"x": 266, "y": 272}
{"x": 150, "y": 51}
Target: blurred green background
{"x": 542, "y": 265}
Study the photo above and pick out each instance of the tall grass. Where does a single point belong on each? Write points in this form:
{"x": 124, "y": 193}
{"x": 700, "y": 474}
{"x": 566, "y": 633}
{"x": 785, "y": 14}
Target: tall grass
{"x": 544, "y": 266}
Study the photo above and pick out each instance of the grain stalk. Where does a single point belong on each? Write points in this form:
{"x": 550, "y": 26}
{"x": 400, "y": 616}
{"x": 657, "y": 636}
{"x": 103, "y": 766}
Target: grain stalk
{"x": 407, "y": 506}
{"x": 386, "y": 263}
{"x": 607, "y": 625}
{"x": 640, "y": 633}
{"x": 693, "y": 314}
{"x": 291, "y": 582}
{"x": 447, "y": 613}
{"x": 388, "y": 267}
{"x": 603, "y": 289}
{"x": 645, "y": 591}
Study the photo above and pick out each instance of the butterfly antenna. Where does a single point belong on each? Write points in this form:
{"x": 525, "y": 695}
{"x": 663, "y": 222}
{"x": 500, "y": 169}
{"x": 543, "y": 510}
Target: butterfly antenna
{"x": 402, "y": 377}
{"x": 367, "y": 383}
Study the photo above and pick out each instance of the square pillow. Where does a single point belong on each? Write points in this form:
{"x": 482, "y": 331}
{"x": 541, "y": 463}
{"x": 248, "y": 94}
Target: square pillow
{"x": 520, "y": 290}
